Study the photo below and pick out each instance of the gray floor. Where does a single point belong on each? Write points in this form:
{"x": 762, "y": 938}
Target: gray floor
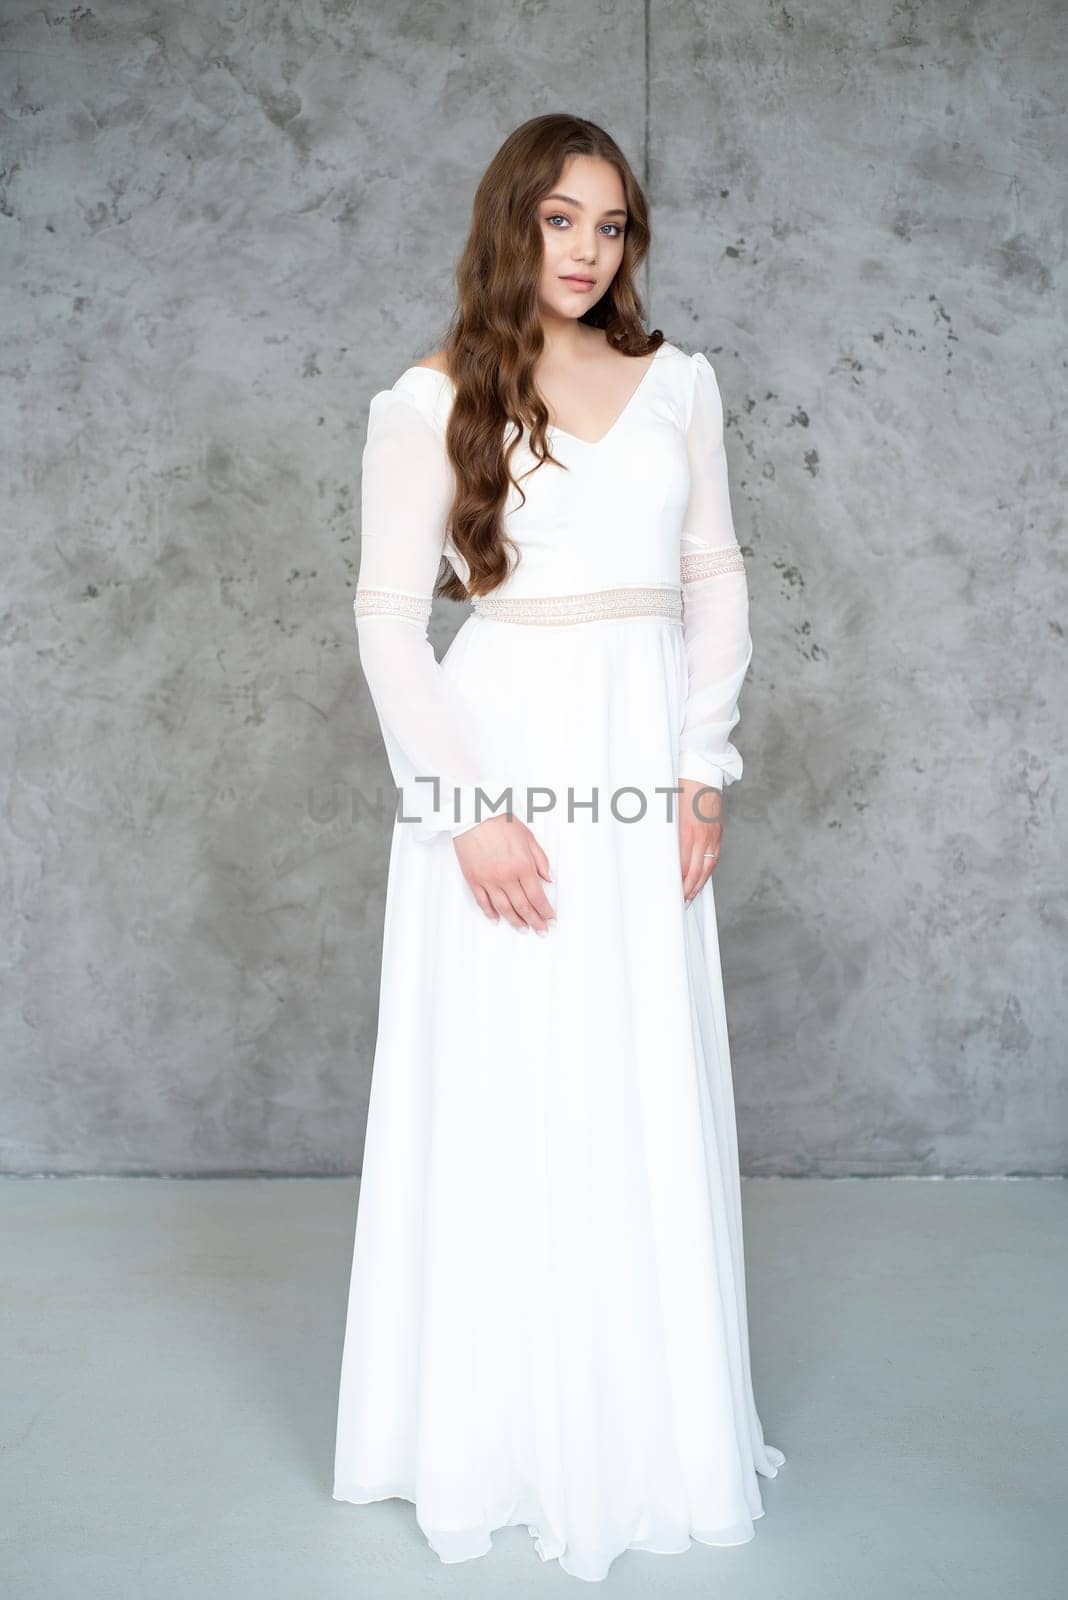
{"x": 170, "y": 1354}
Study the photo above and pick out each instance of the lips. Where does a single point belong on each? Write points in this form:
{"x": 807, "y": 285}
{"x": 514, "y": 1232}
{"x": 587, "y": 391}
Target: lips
{"x": 579, "y": 282}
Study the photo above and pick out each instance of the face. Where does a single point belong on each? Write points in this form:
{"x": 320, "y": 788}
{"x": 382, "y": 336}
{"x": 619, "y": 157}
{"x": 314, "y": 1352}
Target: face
{"x": 583, "y": 222}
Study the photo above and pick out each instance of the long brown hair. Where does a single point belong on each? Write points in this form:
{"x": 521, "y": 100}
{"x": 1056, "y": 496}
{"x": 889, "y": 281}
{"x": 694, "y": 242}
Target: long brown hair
{"x": 495, "y": 336}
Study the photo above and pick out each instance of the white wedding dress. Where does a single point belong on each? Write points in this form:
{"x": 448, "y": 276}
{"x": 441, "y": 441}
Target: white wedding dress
{"x": 547, "y": 1314}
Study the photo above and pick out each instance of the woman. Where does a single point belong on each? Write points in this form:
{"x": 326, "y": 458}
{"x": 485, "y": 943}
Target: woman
{"x": 547, "y": 1320}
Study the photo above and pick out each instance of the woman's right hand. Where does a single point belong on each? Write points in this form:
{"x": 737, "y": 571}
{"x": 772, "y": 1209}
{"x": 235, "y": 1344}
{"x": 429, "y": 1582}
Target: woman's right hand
{"x": 504, "y": 865}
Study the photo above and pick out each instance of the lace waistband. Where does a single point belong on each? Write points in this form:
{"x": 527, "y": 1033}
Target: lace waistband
{"x": 593, "y": 606}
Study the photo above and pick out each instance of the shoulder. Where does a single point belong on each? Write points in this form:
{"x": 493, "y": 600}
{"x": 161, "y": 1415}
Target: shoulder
{"x": 688, "y": 376}
{"x": 419, "y": 396}
{"x": 686, "y": 367}
{"x": 702, "y": 388}
{"x": 426, "y": 379}
{"x": 691, "y": 368}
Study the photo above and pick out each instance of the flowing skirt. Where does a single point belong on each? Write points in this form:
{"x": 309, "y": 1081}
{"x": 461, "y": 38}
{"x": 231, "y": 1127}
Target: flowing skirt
{"x": 547, "y": 1315}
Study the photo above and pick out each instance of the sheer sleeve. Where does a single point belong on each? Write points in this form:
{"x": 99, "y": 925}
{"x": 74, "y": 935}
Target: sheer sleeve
{"x": 429, "y": 730}
{"x": 715, "y": 596}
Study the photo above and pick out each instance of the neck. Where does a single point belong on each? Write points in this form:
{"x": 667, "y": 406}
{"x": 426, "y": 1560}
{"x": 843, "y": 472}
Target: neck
{"x": 568, "y": 339}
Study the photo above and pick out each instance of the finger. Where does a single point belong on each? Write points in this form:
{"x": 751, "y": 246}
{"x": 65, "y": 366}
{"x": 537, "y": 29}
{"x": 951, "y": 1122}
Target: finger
{"x": 504, "y": 905}
{"x": 697, "y": 842}
{"x": 541, "y": 860}
{"x": 539, "y": 901}
{"x": 693, "y": 866}
{"x": 699, "y": 868}
{"x": 521, "y": 904}
{"x": 689, "y": 854}
{"x": 485, "y": 902}
{"x": 708, "y": 866}
{"x": 702, "y": 880}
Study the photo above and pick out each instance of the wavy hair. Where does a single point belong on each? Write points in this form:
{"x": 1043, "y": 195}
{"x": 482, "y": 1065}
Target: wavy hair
{"x": 495, "y": 335}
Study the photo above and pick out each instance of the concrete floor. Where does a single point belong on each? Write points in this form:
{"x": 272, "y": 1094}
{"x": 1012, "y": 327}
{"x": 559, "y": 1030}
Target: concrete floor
{"x": 170, "y": 1354}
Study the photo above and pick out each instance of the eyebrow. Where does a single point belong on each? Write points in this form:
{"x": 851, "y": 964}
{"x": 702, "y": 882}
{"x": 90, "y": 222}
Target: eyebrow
{"x": 617, "y": 211}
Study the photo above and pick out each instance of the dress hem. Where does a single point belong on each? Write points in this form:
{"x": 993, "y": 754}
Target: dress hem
{"x": 474, "y": 1543}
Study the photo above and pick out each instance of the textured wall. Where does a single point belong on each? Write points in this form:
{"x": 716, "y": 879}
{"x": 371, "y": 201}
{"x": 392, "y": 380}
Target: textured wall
{"x": 222, "y": 227}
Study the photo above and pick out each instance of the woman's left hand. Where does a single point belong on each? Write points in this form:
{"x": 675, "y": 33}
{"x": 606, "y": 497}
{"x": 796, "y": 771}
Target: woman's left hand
{"x": 700, "y": 831}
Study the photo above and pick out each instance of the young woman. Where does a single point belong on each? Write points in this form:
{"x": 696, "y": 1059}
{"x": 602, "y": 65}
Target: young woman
{"x": 547, "y": 1320}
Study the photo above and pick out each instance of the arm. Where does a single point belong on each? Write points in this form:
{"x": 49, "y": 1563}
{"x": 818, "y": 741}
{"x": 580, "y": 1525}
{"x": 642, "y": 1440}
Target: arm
{"x": 715, "y": 597}
{"x": 428, "y": 728}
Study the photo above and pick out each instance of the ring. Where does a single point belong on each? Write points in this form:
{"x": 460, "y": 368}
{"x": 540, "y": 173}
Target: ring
{"x": 709, "y": 853}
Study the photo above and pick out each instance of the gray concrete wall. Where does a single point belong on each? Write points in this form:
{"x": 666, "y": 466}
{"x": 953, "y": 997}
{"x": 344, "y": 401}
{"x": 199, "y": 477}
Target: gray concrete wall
{"x": 222, "y": 228}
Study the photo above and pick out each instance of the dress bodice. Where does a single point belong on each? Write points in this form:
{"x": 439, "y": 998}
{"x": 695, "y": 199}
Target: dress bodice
{"x": 612, "y": 513}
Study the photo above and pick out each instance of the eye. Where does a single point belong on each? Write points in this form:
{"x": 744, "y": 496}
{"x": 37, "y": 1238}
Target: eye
{"x": 558, "y": 216}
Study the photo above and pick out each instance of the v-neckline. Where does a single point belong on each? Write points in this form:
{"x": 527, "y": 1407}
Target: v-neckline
{"x": 587, "y": 444}
{"x": 593, "y": 444}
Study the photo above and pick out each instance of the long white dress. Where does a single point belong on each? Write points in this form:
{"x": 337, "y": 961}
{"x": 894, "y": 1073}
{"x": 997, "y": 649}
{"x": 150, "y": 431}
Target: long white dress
{"x": 547, "y": 1317}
